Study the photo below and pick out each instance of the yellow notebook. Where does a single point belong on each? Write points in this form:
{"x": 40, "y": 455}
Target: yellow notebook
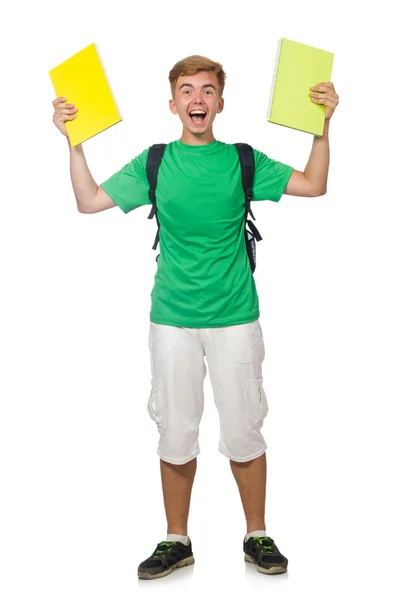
{"x": 298, "y": 68}
{"x": 81, "y": 79}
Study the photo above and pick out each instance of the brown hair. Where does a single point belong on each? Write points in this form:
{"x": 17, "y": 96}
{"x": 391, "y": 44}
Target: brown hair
{"x": 194, "y": 64}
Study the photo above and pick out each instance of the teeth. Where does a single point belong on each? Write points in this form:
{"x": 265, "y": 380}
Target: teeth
{"x": 197, "y": 112}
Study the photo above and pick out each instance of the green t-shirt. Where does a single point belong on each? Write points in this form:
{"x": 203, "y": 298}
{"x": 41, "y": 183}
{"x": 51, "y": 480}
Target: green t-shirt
{"x": 203, "y": 276}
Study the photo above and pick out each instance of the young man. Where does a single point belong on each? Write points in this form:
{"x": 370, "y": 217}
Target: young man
{"x": 204, "y": 299}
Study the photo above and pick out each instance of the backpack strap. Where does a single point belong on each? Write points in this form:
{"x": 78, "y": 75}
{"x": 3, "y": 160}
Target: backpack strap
{"x": 247, "y": 164}
{"x": 152, "y": 168}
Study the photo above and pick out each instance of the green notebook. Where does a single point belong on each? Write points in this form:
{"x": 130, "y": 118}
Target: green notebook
{"x": 298, "y": 68}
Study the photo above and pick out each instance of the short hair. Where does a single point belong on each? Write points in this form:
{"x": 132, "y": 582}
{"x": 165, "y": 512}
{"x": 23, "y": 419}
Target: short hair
{"x": 194, "y": 64}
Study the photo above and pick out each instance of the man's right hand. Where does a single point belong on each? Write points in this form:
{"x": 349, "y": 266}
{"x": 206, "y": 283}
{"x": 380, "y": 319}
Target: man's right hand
{"x": 63, "y": 112}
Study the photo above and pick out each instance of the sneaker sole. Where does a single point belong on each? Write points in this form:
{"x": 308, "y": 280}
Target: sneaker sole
{"x": 270, "y": 570}
{"x": 183, "y": 563}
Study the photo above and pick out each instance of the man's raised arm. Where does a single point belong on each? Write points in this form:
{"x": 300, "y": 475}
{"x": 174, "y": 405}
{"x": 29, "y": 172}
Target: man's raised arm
{"x": 90, "y": 197}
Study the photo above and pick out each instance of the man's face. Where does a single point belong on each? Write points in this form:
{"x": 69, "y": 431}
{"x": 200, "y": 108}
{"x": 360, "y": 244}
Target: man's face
{"x": 198, "y": 92}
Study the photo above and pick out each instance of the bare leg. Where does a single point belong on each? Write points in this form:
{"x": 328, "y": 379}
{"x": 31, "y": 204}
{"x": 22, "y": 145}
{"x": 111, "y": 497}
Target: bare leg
{"x": 177, "y": 482}
{"x": 251, "y": 481}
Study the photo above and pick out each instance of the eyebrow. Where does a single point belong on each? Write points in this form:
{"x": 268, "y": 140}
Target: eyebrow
{"x": 204, "y": 86}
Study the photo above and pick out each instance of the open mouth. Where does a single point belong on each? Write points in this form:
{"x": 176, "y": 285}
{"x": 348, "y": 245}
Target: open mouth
{"x": 198, "y": 117}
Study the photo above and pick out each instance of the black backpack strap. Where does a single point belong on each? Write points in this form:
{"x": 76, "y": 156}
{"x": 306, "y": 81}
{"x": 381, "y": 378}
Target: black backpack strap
{"x": 152, "y": 168}
{"x": 247, "y": 164}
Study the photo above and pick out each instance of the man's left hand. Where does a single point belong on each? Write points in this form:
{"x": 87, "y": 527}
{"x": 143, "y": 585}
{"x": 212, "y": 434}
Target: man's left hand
{"x": 324, "y": 93}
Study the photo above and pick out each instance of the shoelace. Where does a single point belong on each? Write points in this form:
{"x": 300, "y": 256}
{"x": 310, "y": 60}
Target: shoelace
{"x": 161, "y": 550}
{"x": 266, "y": 542}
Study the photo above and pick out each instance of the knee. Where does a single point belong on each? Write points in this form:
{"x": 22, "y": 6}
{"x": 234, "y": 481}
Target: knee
{"x": 242, "y": 446}
{"x": 241, "y": 439}
{"x": 178, "y": 447}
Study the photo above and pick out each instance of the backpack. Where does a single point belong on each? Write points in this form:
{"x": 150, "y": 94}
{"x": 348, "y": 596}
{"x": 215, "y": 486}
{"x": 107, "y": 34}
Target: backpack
{"x": 247, "y": 164}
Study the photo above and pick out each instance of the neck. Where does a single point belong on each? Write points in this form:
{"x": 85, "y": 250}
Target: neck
{"x": 194, "y": 139}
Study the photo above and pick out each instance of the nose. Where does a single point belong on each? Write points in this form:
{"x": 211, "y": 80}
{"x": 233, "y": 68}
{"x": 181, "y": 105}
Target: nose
{"x": 197, "y": 97}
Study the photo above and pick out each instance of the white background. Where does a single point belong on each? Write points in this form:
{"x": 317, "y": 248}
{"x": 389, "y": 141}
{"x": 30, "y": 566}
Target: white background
{"x": 81, "y": 502}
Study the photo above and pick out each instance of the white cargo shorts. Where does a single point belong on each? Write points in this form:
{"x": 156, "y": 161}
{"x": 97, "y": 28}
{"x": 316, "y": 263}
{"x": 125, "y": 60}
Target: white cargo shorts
{"x": 176, "y": 402}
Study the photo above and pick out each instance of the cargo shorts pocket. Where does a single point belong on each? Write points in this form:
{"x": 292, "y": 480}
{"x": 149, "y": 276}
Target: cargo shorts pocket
{"x": 156, "y": 404}
{"x": 256, "y": 403}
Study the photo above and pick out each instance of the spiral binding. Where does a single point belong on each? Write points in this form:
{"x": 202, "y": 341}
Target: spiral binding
{"x": 275, "y": 74}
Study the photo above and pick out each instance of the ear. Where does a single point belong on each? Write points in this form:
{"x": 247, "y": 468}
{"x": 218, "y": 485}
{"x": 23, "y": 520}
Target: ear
{"x": 172, "y": 107}
{"x": 220, "y": 105}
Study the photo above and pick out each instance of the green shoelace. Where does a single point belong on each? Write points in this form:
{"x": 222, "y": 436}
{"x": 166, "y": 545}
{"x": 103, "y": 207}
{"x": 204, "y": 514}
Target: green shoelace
{"x": 164, "y": 550}
{"x": 261, "y": 540}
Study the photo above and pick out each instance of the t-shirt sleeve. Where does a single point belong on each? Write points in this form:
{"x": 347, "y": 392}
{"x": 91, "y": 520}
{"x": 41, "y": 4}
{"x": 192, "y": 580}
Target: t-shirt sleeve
{"x": 129, "y": 187}
{"x": 270, "y": 179}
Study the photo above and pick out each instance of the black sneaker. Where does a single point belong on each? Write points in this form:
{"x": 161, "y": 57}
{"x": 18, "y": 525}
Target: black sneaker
{"x": 167, "y": 557}
{"x": 263, "y": 552}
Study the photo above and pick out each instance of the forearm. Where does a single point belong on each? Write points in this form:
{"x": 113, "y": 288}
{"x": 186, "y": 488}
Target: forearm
{"x": 83, "y": 183}
{"x": 316, "y": 170}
